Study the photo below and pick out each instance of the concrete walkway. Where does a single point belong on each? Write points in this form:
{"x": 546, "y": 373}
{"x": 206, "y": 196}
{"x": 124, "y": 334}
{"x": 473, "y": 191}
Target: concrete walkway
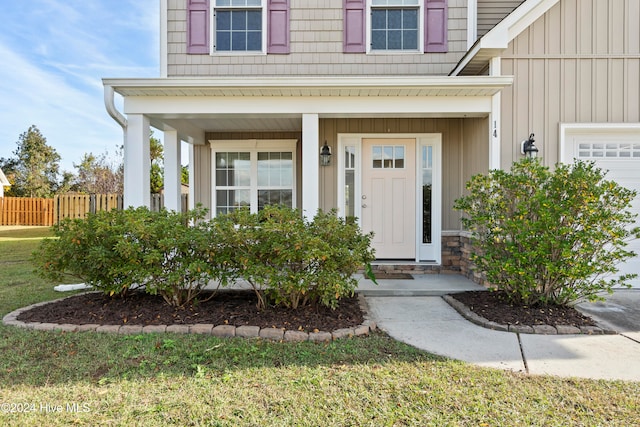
{"x": 426, "y": 321}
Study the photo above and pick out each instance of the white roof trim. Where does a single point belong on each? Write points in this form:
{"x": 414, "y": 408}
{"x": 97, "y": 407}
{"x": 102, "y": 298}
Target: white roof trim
{"x": 3, "y": 179}
{"x": 312, "y": 86}
{"x": 499, "y": 37}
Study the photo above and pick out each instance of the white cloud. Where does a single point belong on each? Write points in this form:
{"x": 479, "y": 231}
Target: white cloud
{"x": 55, "y": 53}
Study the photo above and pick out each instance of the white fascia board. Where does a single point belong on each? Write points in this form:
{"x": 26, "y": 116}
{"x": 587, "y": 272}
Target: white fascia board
{"x": 199, "y": 105}
{"x": 508, "y": 29}
{"x": 122, "y": 85}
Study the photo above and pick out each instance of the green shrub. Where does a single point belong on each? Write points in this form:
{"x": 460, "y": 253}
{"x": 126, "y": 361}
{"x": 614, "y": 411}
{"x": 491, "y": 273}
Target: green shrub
{"x": 168, "y": 253}
{"x": 173, "y": 253}
{"x": 291, "y": 261}
{"x": 87, "y": 249}
{"x": 549, "y": 237}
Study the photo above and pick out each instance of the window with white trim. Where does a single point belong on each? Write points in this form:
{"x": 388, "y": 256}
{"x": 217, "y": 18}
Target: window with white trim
{"x": 396, "y": 25}
{"x": 609, "y": 150}
{"x": 350, "y": 181}
{"x": 253, "y": 174}
{"x": 238, "y": 26}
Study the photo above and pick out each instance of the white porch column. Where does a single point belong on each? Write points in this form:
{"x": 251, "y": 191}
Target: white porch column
{"x": 310, "y": 165}
{"x": 172, "y": 171}
{"x": 192, "y": 179}
{"x": 137, "y": 162}
{"x": 495, "y": 139}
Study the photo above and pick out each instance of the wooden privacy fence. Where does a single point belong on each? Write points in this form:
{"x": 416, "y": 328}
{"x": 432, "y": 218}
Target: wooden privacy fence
{"x": 46, "y": 212}
{"x": 26, "y": 211}
{"x": 80, "y": 205}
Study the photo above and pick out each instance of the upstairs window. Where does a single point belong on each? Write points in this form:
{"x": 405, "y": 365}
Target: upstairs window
{"x": 395, "y": 25}
{"x": 238, "y": 26}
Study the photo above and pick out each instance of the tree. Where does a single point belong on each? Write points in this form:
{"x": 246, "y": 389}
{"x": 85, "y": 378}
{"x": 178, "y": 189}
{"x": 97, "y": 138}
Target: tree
{"x": 97, "y": 176}
{"x": 36, "y": 167}
{"x": 157, "y": 170}
{"x": 549, "y": 237}
{"x": 184, "y": 178}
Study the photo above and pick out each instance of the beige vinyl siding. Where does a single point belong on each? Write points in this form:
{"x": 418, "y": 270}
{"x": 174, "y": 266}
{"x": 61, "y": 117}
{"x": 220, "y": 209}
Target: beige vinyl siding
{"x": 475, "y": 148}
{"x": 202, "y": 175}
{"x": 490, "y": 12}
{"x": 579, "y": 63}
{"x": 464, "y": 152}
{"x": 316, "y": 48}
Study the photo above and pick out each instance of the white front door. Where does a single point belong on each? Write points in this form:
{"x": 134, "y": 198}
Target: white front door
{"x": 389, "y": 196}
{"x": 392, "y": 183}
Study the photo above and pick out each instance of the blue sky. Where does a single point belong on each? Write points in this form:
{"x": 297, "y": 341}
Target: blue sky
{"x": 54, "y": 54}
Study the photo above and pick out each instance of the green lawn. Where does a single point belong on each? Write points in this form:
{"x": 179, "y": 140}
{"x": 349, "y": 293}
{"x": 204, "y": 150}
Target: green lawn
{"x": 54, "y": 378}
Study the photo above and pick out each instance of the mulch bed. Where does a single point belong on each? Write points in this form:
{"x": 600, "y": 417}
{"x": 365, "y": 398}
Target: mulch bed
{"x": 238, "y": 308}
{"x": 235, "y": 308}
{"x": 493, "y": 306}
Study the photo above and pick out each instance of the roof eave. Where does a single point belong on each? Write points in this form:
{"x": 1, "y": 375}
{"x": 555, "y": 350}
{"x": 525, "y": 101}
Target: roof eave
{"x": 498, "y": 38}
{"x": 319, "y": 86}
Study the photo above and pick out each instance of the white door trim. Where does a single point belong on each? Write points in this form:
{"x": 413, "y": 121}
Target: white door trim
{"x": 433, "y": 139}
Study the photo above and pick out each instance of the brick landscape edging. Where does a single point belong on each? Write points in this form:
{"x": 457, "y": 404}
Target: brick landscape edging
{"x": 222, "y": 331}
{"x": 524, "y": 329}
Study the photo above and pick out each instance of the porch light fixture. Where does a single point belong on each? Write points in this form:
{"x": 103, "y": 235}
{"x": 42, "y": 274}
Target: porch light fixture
{"x": 325, "y": 155}
{"x": 528, "y": 147}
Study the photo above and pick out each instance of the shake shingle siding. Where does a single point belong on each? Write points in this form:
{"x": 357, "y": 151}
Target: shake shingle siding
{"x": 316, "y": 48}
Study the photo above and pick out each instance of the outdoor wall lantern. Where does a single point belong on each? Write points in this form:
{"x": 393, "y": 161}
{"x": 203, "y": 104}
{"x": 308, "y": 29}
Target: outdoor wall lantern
{"x": 325, "y": 155}
{"x": 528, "y": 147}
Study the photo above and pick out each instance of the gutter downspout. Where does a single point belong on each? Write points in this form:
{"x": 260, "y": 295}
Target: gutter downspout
{"x": 109, "y": 103}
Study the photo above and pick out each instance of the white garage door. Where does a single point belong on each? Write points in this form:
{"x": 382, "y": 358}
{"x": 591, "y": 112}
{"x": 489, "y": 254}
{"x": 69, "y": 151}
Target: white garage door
{"x": 616, "y": 150}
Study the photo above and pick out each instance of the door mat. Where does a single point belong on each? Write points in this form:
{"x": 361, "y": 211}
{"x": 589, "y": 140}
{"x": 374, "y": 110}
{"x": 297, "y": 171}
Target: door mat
{"x": 393, "y": 276}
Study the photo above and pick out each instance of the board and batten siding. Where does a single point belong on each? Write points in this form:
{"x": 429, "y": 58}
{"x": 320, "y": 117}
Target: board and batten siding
{"x": 464, "y": 154}
{"x": 202, "y": 176}
{"x": 490, "y": 12}
{"x": 578, "y": 63}
{"x": 315, "y": 48}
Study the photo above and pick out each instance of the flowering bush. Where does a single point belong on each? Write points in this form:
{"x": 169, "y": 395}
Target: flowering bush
{"x": 549, "y": 237}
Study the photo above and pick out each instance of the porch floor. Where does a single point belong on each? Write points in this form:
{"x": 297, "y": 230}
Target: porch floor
{"x": 421, "y": 285}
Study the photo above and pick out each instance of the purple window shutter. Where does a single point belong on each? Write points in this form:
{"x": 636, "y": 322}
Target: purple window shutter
{"x": 278, "y": 26}
{"x": 354, "y": 26}
{"x": 436, "y": 24}
{"x": 198, "y": 26}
